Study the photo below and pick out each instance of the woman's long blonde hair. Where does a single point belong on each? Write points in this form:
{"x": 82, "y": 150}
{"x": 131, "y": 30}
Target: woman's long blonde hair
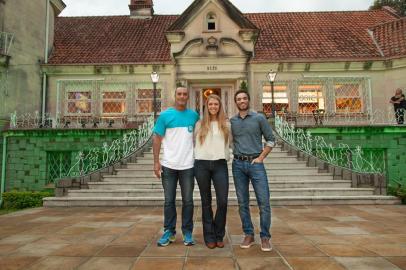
{"x": 205, "y": 125}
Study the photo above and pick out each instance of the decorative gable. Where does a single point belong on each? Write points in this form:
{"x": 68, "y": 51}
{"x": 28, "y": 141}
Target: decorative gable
{"x": 212, "y": 22}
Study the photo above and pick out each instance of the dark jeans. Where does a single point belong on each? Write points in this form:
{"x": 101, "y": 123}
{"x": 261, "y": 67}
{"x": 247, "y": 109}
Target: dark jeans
{"x": 207, "y": 171}
{"x": 243, "y": 172}
{"x": 400, "y": 115}
{"x": 170, "y": 179}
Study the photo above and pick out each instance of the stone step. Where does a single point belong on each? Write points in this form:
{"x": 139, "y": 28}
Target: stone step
{"x": 269, "y": 160}
{"x": 271, "y": 177}
{"x": 273, "y": 184}
{"x": 270, "y": 172}
{"x": 275, "y": 201}
{"x": 232, "y": 193}
{"x": 298, "y": 165}
{"x": 271, "y": 155}
{"x": 274, "y": 149}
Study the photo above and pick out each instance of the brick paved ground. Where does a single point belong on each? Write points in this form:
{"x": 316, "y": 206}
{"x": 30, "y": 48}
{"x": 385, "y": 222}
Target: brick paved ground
{"x": 318, "y": 237}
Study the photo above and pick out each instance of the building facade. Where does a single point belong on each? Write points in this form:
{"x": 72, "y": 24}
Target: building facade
{"x": 90, "y": 82}
{"x": 340, "y": 62}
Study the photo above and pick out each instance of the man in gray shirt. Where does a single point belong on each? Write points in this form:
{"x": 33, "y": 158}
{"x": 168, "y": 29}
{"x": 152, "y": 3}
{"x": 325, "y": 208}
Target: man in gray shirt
{"x": 248, "y": 128}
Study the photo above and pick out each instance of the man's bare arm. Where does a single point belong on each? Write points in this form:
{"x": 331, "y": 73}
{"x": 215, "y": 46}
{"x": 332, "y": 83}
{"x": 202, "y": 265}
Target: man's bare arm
{"x": 156, "y": 149}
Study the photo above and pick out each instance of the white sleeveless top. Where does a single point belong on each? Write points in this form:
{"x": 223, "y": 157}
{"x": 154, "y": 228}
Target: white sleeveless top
{"x": 214, "y": 147}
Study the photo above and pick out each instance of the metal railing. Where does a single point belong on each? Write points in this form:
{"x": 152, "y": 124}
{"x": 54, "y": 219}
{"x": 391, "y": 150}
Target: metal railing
{"x": 97, "y": 158}
{"x": 35, "y": 121}
{"x": 342, "y": 155}
{"x": 6, "y": 40}
{"x": 321, "y": 118}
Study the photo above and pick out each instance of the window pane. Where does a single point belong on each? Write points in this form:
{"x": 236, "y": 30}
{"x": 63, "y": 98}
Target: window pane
{"x": 347, "y": 90}
{"x": 281, "y": 99}
{"x": 353, "y": 105}
{"x": 79, "y": 107}
{"x": 147, "y": 106}
{"x": 211, "y": 26}
{"x": 348, "y": 98}
{"x": 79, "y": 95}
{"x": 148, "y": 93}
{"x": 113, "y": 107}
{"x": 114, "y": 95}
{"x": 310, "y": 98}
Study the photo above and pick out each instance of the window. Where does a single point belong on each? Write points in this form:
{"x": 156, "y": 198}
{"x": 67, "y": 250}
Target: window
{"x": 348, "y": 98}
{"x": 145, "y": 100}
{"x": 281, "y": 99}
{"x": 79, "y": 102}
{"x": 114, "y": 103}
{"x": 211, "y": 22}
{"x": 310, "y": 98}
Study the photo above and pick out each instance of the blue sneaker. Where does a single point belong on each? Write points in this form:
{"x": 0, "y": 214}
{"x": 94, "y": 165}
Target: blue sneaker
{"x": 167, "y": 238}
{"x": 188, "y": 239}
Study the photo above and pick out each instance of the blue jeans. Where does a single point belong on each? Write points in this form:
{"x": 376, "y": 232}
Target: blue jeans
{"x": 206, "y": 172}
{"x": 243, "y": 172}
{"x": 170, "y": 179}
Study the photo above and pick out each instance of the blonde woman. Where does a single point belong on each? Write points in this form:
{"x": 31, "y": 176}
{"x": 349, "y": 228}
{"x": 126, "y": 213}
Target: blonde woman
{"x": 211, "y": 155}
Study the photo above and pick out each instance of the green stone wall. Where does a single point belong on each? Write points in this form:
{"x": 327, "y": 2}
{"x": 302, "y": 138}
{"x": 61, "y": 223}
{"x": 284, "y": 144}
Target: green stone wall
{"x": 27, "y": 152}
{"x": 390, "y": 139}
{"x": 2, "y": 124}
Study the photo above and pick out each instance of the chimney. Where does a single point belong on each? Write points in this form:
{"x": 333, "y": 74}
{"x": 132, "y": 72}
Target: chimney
{"x": 141, "y": 9}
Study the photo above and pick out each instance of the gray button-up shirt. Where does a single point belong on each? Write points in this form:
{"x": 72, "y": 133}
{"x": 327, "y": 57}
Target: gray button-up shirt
{"x": 248, "y": 132}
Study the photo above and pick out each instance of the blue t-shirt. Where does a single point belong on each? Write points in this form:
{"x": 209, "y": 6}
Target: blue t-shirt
{"x": 176, "y": 128}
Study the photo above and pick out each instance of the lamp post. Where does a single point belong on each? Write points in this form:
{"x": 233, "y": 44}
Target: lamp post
{"x": 271, "y": 78}
{"x": 155, "y": 80}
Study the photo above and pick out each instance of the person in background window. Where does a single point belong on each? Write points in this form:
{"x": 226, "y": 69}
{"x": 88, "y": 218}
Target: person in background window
{"x": 399, "y": 104}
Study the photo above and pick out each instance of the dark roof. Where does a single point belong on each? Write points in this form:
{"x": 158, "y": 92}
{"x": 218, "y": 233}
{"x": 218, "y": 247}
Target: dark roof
{"x": 317, "y": 35}
{"x": 391, "y": 37}
{"x": 298, "y": 36}
{"x": 234, "y": 13}
{"x": 111, "y": 39}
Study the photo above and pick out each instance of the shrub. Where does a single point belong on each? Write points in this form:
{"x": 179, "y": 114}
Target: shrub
{"x": 399, "y": 191}
{"x": 24, "y": 199}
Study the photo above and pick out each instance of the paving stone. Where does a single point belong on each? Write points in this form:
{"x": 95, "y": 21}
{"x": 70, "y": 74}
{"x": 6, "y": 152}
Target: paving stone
{"x": 58, "y": 263}
{"x": 364, "y": 263}
{"x": 398, "y": 261}
{"x": 194, "y": 263}
{"x": 17, "y": 262}
{"x": 345, "y": 251}
{"x": 261, "y": 264}
{"x": 108, "y": 263}
{"x": 121, "y": 251}
{"x": 158, "y": 264}
{"x": 299, "y": 251}
{"x": 314, "y": 264}
{"x": 345, "y": 230}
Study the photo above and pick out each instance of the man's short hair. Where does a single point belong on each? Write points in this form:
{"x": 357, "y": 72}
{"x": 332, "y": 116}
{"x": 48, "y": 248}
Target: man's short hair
{"x": 181, "y": 87}
{"x": 239, "y": 92}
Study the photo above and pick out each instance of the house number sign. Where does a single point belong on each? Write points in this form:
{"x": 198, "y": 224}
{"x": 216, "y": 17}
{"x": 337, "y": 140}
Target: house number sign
{"x": 211, "y": 68}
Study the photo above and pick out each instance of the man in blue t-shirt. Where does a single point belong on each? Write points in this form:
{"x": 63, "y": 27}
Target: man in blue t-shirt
{"x": 174, "y": 132}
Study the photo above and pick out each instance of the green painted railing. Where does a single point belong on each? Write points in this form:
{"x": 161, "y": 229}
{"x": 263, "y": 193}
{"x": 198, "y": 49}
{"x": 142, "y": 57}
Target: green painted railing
{"x": 107, "y": 155}
{"x": 354, "y": 158}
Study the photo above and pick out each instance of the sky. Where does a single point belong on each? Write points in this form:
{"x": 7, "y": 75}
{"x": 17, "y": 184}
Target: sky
{"x": 120, "y": 7}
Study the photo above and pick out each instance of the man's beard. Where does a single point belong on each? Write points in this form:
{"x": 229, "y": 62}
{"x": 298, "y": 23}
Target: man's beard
{"x": 248, "y": 107}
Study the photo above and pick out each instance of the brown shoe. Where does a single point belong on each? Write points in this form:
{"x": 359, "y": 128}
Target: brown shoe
{"x": 211, "y": 245}
{"x": 266, "y": 244}
{"x": 248, "y": 241}
{"x": 220, "y": 244}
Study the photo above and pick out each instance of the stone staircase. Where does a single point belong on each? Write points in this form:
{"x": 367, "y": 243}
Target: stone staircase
{"x": 291, "y": 183}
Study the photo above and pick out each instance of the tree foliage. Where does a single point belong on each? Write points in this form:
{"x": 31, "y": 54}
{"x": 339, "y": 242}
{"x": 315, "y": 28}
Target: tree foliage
{"x": 398, "y": 5}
